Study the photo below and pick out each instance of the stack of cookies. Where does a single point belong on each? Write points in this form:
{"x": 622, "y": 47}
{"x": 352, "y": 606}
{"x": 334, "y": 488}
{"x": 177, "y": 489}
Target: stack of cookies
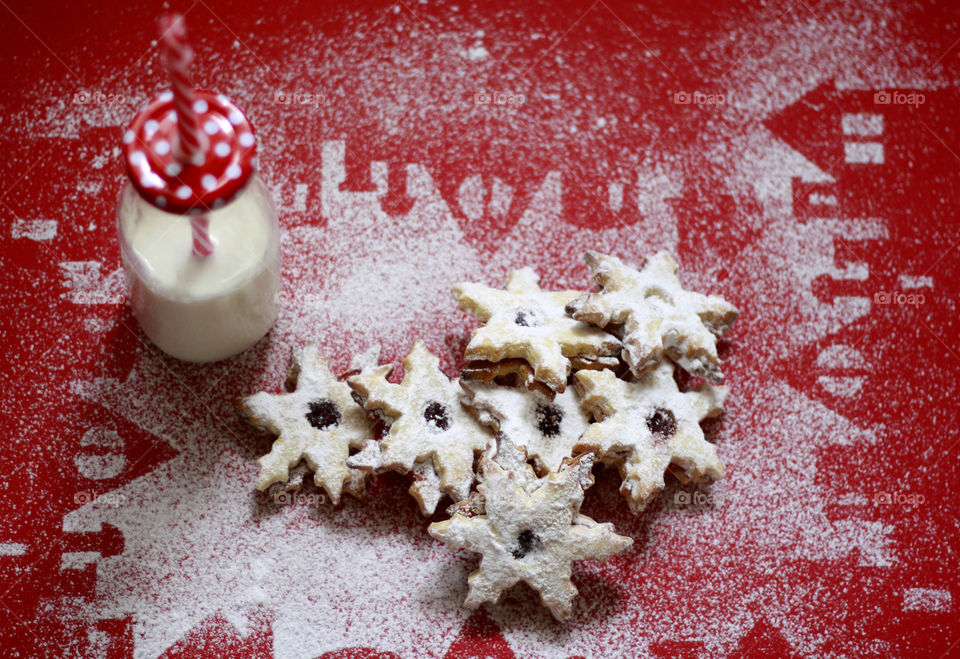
{"x": 554, "y": 381}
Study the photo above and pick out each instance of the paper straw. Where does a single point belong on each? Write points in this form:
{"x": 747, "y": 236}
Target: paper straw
{"x": 176, "y": 58}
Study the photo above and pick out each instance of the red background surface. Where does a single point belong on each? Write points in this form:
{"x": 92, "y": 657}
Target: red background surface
{"x": 604, "y": 59}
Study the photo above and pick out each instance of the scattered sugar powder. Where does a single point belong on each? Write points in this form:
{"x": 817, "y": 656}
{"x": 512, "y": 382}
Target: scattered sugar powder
{"x": 367, "y": 574}
{"x": 199, "y": 541}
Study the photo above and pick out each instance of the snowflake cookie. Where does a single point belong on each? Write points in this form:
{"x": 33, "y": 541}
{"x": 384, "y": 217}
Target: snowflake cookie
{"x": 430, "y": 432}
{"x": 514, "y": 460}
{"x": 547, "y": 429}
{"x": 522, "y": 321}
{"x": 529, "y": 529}
{"x": 658, "y": 316}
{"x": 318, "y": 422}
{"x": 648, "y": 426}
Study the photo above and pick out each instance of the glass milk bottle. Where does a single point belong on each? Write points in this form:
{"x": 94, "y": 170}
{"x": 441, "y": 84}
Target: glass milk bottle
{"x": 198, "y": 235}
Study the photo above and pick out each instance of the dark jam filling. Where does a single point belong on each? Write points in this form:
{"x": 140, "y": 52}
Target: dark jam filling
{"x": 436, "y": 414}
{"x": 527, "y": 542}
{"x": 549, "y": 418}
{"x": 323, "y": 414}
{"x": 525, "y": 318}
{"x": 662, "y": 422}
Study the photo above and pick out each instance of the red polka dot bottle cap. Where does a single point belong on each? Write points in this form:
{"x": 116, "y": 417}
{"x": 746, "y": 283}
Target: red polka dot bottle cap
{"x": 220, "y": 169}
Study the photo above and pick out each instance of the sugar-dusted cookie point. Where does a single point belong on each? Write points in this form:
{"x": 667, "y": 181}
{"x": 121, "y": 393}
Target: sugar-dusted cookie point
{"x": 523, "y": 322}
{"x": 317, "y": 423}
{"x": 528, "y": 529}
{"x": 430, "y": 433}
{"x": 648, "y": 426}
{"x": 426, "y": 487}
{"x": 658, "y": 316}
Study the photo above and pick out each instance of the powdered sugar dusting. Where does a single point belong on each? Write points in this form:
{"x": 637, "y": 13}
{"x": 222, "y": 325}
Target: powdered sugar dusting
{"x": 785, "y": 542}
{"x": 234, "y": 562}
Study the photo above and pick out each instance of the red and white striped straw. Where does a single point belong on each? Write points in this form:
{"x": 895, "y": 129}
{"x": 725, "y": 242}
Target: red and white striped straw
{"x": 202, "y": 244}
{"x": 176, "y": 58}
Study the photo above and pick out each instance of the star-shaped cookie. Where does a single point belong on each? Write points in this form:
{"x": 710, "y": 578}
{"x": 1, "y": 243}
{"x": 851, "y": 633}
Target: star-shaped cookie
{"x": 429, "y": 428}
{"x": 529, "y": 530}
{"x": 547, "y": 429}
{"x": 523, "y": 321}
{"x": 644, "y": 427}
{"x": 658, "y": 316}
{"x": 318, "y": 422}
{"x": 512, "y": 459}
